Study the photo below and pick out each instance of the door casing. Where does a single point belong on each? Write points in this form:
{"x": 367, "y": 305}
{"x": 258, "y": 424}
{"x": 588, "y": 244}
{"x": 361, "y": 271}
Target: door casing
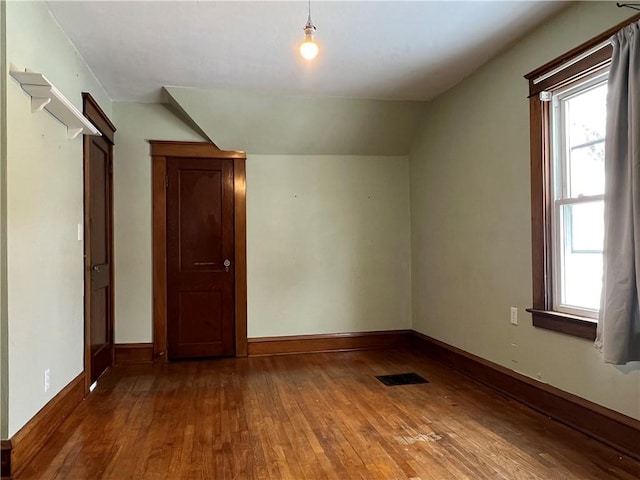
{"x": 160, "y": 151}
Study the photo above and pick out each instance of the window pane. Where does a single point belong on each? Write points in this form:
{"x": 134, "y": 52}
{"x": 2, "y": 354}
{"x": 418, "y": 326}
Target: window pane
{"x": 578, "y": 169}
{"x": 582, "y": 237}
{"x": 587, "y": 114}
{"x": 586, "y": 222}
{"x": 586, "y": 170}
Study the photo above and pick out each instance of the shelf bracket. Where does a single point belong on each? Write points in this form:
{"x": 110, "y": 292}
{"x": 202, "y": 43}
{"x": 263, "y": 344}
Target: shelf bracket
{"x": 37, "y": 104}
{"x": 73, "y": 132}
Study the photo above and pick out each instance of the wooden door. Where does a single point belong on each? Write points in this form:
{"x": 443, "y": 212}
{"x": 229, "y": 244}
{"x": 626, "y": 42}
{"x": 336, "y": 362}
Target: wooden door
{"x": 200, "y": 257}
{"x": 100, "y": 256}
{"x": 98, "y": 163}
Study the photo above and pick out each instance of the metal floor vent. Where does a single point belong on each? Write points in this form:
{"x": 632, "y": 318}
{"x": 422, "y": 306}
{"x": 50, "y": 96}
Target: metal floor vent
{"x": 401, "y": 379}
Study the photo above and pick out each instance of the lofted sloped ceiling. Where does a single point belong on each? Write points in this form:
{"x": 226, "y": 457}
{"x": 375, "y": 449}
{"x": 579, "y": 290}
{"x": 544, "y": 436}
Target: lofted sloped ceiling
{"x": 277, "y": 124}
{"x": 393, "y": 50}
{"x": 231, "y": 69}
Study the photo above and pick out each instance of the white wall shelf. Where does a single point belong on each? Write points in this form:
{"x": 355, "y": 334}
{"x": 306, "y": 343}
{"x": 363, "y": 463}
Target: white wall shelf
{"x": 45, "y": 96}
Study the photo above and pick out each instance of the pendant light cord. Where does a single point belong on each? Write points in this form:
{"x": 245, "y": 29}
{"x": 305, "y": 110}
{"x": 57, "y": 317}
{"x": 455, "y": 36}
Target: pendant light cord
{"x": 635, "y": 5}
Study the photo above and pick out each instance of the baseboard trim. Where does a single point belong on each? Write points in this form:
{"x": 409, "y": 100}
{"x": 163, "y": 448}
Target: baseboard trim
{"x": 5, "y": 459}
{"x": 132, "y": 353}
{"x": 615, "y": 429}
{"x": 32, "y": 437}
{"x": 334, "y": 342}
{"x": 612, "y": 428}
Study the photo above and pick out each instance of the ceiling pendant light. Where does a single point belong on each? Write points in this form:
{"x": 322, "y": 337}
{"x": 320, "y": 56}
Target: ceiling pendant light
{"x": 309, "y": 48}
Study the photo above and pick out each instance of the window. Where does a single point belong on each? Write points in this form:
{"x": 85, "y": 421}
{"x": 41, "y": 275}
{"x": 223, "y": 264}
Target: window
{"x": 567, "y": 101}
{"x": 577, "y": 138}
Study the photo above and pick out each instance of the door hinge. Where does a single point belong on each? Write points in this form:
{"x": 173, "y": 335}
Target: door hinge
{"x": 166, "y": 181}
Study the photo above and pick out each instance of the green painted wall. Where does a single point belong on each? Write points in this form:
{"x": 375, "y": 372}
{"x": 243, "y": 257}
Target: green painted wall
{"x": 328, "y": 244}
{"x": 327, "y": 235}
{"x": 44, "y": 201}
{"x": 4, "y": 337}
{"x": 471, "y": 227}
{"x": 137, "y": 123}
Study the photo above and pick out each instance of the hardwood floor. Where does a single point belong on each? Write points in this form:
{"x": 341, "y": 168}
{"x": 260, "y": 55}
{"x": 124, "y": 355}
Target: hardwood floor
{"x": 315, "y": 416}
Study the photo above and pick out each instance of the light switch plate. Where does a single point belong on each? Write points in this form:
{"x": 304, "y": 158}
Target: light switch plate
{"x": 514, "y": 316}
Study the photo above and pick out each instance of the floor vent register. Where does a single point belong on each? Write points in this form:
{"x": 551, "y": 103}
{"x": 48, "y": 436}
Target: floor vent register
{"x": 401, "y": 379}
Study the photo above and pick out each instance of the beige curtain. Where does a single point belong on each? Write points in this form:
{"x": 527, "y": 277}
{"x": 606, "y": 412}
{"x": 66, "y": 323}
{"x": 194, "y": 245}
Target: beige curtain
{"x": 618, "y": 334}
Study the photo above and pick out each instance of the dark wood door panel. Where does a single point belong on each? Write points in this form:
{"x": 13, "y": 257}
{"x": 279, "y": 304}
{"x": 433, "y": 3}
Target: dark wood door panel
{"x": 100, "y": 277}
{"x": 99, "y": 201}
{"x": 98, "y": 229}
{"x": 200, "y": 238}
{"x": 100, "y": 309}
{"x": 202, "y": 329}
{"x": 200, "y": 229}
{"x": 100, "y": 334}
{"x": 201, "y": 309}
{"x": 99, "y": 257}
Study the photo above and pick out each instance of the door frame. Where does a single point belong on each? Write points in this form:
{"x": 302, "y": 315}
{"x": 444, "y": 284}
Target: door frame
{"x": 96, "y": 115}
{"x": 160, "y": 151}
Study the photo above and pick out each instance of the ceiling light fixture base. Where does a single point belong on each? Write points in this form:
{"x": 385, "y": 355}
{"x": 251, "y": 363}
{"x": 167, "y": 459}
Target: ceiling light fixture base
{"x": 309, "y": 47}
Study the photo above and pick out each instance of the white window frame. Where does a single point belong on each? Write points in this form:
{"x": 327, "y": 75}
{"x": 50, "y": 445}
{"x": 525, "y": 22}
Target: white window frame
{"x": 560, "y": 195}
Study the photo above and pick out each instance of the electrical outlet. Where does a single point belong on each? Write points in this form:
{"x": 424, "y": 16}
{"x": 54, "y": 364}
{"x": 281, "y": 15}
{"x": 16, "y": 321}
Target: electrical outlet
{"x": 514, "y": 316}
{"x": 47, "y": 380}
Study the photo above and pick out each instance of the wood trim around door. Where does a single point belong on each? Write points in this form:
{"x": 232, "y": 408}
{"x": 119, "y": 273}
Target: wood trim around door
{"x": 96, "y": 115}
{"x": 240, "y": 239}
{"x": 160, "y": 150}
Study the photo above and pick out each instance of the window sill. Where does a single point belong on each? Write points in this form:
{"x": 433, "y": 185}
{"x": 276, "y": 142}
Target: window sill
{"x": 564, "y": 323}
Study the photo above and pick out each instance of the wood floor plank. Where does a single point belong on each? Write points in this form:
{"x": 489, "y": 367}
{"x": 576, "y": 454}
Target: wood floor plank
{"x": 315, "y": 416}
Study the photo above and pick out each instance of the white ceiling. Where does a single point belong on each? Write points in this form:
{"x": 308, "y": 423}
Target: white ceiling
{"x": 369, "y": 49}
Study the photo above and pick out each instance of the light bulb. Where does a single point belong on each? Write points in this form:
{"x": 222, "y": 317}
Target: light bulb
{"x": 309, "y": 48}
